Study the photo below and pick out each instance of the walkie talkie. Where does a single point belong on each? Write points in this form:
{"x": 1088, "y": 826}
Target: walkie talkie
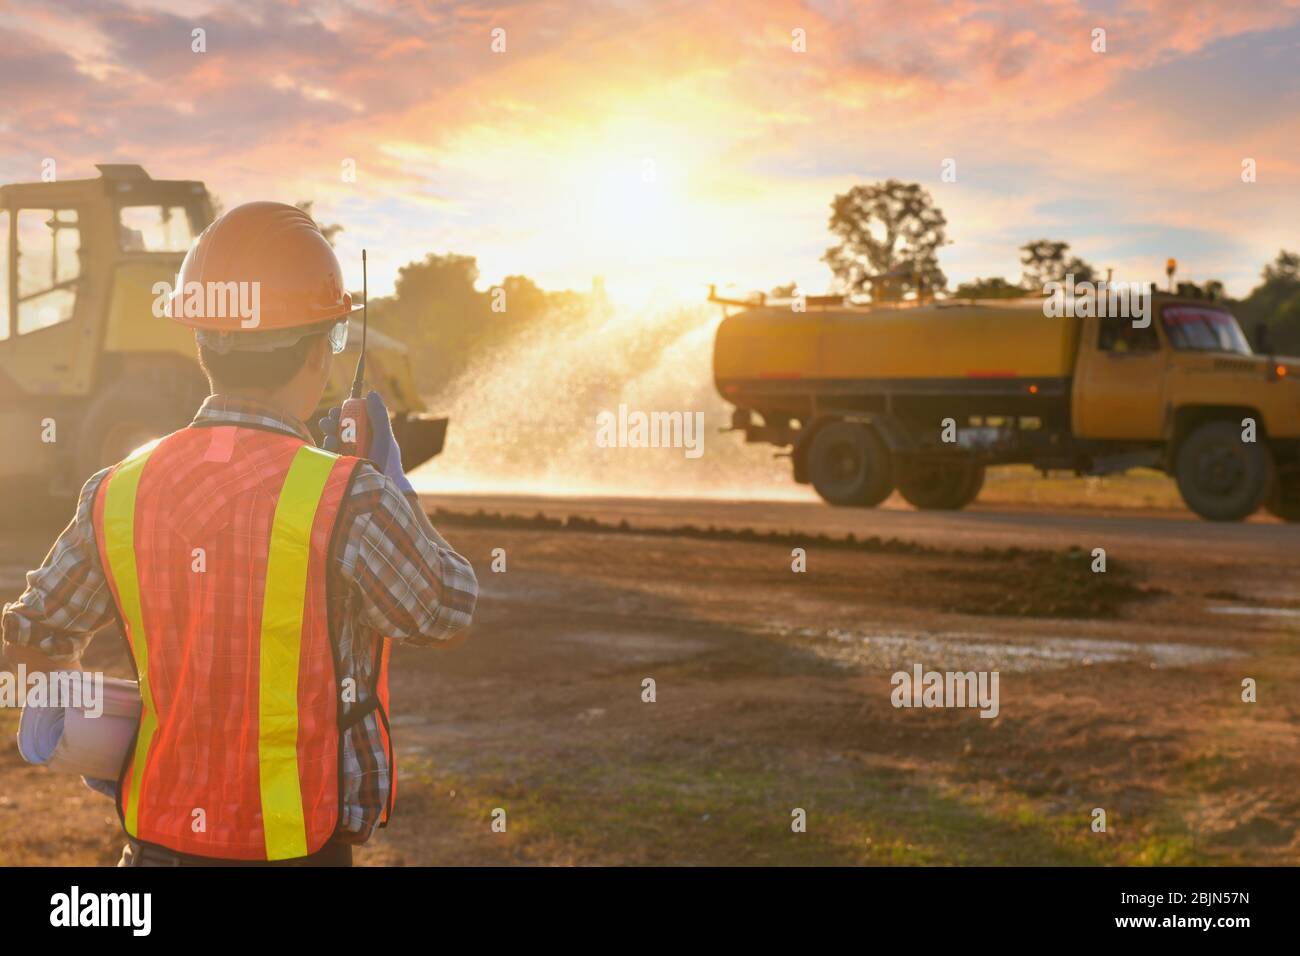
{"x": 354, "y": 409}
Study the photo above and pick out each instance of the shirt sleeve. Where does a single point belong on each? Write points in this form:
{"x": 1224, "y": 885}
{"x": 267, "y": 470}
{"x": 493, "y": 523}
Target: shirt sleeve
{"x": 67, "y": 598}
{"x": 408, "y": 582}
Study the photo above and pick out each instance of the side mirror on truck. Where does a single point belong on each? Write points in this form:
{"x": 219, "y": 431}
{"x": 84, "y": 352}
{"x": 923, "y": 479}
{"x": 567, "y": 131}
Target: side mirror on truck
{"x": 1262, "y": 345}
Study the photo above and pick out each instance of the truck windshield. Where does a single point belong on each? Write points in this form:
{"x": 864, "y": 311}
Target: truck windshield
{"x": 156, "y": 228}
{"x": 1197, "y": 329}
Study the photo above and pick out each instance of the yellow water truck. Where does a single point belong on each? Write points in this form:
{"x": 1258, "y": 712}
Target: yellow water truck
{"x": 87, "y": 372}
{"x": 923, "y": 397}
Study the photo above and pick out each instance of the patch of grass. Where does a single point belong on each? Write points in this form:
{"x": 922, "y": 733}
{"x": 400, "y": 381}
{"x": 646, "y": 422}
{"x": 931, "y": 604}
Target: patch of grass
{"x": 1166, "y": 850}
{"x": 1139, "y": 488}
{"x": 618, "y": 809}
{"x": 1211, "y": 773}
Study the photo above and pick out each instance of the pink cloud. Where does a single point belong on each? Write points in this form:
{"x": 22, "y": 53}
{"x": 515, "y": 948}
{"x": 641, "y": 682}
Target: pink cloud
{"x": 414, "y": 94}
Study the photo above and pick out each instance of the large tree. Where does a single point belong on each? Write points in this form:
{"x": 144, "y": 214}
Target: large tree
{"x": 1275, "y": 302}
{"x": 1285, "y": 268}
{"x": 1045, "y": 260}
{"x": 889, "y": 236}
{"x": 437, "y": 309}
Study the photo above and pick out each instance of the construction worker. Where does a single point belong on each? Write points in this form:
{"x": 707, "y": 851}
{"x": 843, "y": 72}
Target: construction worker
{"x": 259, "y": 580}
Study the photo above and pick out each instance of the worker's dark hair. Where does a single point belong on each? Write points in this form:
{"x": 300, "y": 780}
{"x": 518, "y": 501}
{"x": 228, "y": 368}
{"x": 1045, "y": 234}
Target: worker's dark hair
{"x": 242, "y": 369}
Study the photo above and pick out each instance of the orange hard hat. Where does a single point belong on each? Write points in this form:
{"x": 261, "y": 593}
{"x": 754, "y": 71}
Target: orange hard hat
{"x": 262, "y": 266}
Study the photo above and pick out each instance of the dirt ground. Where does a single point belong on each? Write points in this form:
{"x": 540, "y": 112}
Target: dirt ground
{"x": 772, "y": 693}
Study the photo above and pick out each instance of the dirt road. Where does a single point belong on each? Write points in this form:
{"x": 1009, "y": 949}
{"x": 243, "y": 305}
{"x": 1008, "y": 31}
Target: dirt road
{"x": 772, "y": 693}
{"x": 1153, "y": 535}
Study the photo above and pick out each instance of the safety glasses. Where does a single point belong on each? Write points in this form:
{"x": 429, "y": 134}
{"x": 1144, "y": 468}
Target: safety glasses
{"x": 339, "y": 336}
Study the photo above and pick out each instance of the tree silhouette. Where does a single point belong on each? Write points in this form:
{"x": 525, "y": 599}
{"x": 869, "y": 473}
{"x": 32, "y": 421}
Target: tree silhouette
{"x": 1275, "y": 302}
{"x": 440, "y": 313}
{"x": 330, "y": 231}
{"x": 889, "y": 236}
{"x": 995, "y": 287}
{"x": 1044, "y": 261}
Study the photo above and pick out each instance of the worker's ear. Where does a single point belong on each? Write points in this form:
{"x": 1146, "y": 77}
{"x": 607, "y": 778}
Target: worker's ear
{"x": 321, "y": 352}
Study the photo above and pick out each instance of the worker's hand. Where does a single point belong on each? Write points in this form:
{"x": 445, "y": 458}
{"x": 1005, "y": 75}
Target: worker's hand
{"x": 329, "y": 426}
{"x": 384, "y": 451}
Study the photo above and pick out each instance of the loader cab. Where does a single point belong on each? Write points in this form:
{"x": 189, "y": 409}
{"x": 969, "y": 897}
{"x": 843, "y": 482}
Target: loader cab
{"x": 65, "y": 249}
{"x": 88, "y": 369}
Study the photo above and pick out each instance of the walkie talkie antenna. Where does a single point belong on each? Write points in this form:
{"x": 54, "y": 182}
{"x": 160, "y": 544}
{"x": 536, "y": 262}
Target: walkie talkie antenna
{"x": 365, "y": 324}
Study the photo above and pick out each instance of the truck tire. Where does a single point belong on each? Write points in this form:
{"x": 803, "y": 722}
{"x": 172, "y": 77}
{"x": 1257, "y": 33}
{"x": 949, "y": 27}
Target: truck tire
{"x": 850, "y": 466}
{"x": 1284, "y": 503}
{"x": 121, "y": 418}
{"x": 1221, "y": 477}
{"x": 941, "y": 486}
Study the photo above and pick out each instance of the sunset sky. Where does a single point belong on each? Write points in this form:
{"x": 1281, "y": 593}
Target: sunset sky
{"x": 667, "y": 145}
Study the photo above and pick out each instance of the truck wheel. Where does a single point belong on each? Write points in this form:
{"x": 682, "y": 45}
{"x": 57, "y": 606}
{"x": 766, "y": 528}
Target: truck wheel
{"x": 1221, "y": 477}
{"x": 121, "y": 418}
{"x": 941, "y": 486}
{"x": 1284, "y": 503}
{"x": 850, "y": 466}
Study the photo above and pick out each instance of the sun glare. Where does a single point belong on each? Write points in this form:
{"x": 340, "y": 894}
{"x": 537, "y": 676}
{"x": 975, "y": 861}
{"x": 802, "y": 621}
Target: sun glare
{"x": 629, "y": 205}
{"x": 626, "y": 209}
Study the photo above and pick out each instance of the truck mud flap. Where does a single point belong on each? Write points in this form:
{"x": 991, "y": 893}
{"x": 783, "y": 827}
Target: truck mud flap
{"x": 421, "y": 437}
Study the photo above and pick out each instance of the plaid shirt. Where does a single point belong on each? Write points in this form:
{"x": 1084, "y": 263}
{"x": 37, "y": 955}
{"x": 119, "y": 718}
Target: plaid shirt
{"x": 391, "y": 573}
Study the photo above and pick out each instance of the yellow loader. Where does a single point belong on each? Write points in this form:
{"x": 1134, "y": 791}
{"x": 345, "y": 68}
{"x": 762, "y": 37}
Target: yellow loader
{"x": 87, "y": 373}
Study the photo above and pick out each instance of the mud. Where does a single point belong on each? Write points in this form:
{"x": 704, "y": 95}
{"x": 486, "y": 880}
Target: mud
{"x": 1015, "y": 581}
{"x": 772, "y": 691}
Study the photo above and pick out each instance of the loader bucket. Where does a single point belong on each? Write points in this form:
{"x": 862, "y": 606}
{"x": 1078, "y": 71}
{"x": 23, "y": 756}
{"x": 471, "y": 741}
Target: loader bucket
{"x": 420, "y": 437}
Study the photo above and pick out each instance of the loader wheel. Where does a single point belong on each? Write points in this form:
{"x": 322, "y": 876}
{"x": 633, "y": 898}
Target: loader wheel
{"x": 1284, "y": 503}
{"x": 124, "y": 416}
{"x": 1221, "y": 477}
{"x": 27, "y": 504}
{"x": 850, "y": 466}
{"x": 941, "y": 486}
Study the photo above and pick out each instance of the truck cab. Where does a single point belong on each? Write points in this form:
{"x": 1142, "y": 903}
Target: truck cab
{"x": 1225, "y": 421}
{"x": 1134, "y": 382}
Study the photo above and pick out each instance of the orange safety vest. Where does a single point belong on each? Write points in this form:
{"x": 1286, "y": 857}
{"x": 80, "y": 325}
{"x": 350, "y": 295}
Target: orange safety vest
{"x": 215, "y": 541}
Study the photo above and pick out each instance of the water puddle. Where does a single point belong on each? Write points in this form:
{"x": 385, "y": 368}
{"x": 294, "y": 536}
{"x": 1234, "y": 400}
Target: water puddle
{"x": 959, "y": 650}
{"x": 641, "y": 648}
{"x": 1256, "y": 611}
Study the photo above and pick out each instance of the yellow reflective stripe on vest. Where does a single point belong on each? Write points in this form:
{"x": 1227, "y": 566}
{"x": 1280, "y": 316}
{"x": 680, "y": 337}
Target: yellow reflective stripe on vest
{"x": 281, "y": 644}
{"x": 119, "y": 543}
